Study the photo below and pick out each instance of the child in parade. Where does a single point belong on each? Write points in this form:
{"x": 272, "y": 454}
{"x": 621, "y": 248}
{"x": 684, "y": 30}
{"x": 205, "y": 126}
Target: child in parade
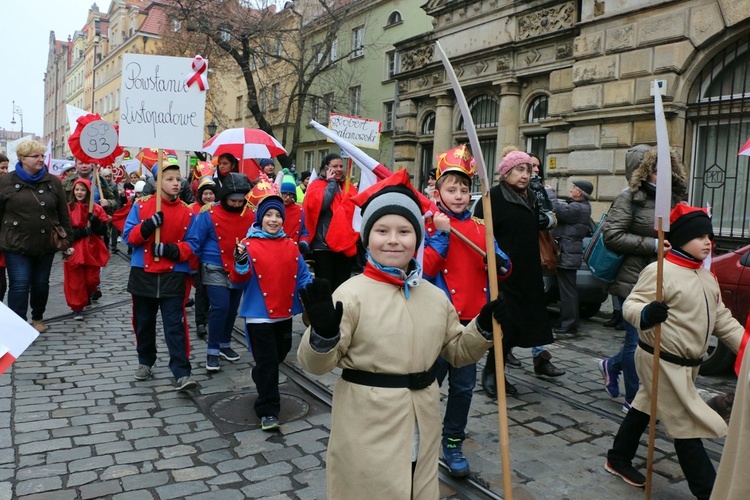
{"x": 690, "y": 311}
{"x": 386, "y": 329}
{"x": 205, "y": 195}
{"x": 159, "y": 276}
{"x": 88, "y": 255}
{"x": 270, "y": 270}
{"x": 212, "y": 238}
{"x": 461, "y": 272}
{"x": 294, "y": 219}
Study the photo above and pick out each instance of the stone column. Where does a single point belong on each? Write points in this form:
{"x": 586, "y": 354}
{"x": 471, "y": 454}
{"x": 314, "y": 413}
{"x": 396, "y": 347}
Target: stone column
{"x": 507, "y": 125}
{"x": 443, "y": 140}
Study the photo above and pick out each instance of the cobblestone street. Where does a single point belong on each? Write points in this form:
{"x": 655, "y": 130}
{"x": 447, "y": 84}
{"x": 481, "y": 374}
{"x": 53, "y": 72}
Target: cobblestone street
{"x": 76, "y": 424}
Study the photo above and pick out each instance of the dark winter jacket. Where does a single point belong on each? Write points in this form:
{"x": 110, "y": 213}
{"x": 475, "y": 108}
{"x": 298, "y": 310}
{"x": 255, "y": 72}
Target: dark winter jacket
{"x": 572, "y": 226}
{"x": 29, "y": 211}
{"x": 630, "y": 224}
{"x": 516, "y": 225}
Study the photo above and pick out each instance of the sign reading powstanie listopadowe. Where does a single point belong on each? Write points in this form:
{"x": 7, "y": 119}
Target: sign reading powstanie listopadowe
{"x": 157, "y": 108}
{"x": 361, "y": 132}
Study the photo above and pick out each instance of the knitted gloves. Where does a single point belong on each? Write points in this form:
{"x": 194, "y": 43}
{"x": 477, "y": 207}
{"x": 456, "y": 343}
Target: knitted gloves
{"x": 653, "y": 313}
{"x": 169, "y": 250}
{"x": 318, "y": 302}
{"x": 149, "y": 225}
{"x": 493, "y": 309}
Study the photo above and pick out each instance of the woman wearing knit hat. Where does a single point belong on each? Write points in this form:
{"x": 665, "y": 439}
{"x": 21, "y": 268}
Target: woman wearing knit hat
{"x": 690, "y": 311}
{"x": 517, "y": 220}
{"x": 386, "y": 330}
{"x": 270, "y": 269}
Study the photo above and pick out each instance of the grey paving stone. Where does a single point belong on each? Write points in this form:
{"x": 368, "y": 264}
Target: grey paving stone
{"x": 237, "y": 465}
{"x": 174, "y": 463}
{"x": 181, "y": 490}
{"x": 193, "y": 473}
{"x": 214, "y": 495}
{"x": 284, "y": 454}
{"x": 92, "y": 463}
{"x": 41, "y": 471}
{"x": 27, "y": 437}
{"x": 79, "y": 478}
{"x": 143, "y": 481}
{"x": 118, "y": 471}
{"x": 268, "y": 471}
{"x": 223, "y": 479}
{"x": 177, "y": 451}
{"x": 134, "y": 495}
{"x": 307, "y": 462}
{"x": 155, "y": 442}
{"x": 39, "y": 485}
{"x": 213, "y": 444}
{"x": 100, "y": 489}
{"x": 113, "y": 447}
{"x": 132, "y": 457}
{"x": 268, "y": 487}
{"x": 68, "y": 455}
{"x": 105, "y": 437}
{"x": 54, "y": 495}
{"x": 6, "y": 491}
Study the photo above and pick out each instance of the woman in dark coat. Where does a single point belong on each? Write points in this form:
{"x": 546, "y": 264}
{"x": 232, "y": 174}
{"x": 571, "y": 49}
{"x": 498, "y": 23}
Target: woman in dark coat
{"x": 32, "y": 201}
{"x": 516, "y": 220}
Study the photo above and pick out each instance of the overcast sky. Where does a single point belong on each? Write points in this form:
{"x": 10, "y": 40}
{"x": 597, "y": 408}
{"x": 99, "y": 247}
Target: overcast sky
{"x": 24, "y": 39}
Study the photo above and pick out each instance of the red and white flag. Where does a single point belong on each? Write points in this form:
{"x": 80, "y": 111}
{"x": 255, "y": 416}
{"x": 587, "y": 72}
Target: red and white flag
{"x": 15, "y": 337}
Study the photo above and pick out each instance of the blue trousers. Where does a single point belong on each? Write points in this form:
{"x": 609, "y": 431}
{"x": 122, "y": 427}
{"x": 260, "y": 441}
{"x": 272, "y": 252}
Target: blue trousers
{"x": 624, "y": 361}
{"x": 175, "y": 332}
{"x": 223, "y": 304}
{"x": 28, "y": 281}
{"x": 461, "y": 382}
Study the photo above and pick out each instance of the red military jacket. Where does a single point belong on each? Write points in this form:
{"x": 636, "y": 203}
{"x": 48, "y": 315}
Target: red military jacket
{"x": 293, "y": 220}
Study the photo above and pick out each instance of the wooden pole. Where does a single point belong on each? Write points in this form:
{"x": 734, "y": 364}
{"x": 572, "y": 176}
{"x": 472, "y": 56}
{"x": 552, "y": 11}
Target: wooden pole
{"x": 157, "y": 183}
{"x": 497, "y": 332}
{"x": 655, "y": 369}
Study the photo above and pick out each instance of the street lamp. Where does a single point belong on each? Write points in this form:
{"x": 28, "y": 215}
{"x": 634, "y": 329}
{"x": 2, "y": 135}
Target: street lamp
{"x": 211, "y": 127}
{"x": 17, "y": 111}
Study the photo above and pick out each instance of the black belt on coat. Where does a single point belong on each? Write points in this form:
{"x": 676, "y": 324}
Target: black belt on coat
{"x": 671, "y": 358}
{"x": 413, "y": 381}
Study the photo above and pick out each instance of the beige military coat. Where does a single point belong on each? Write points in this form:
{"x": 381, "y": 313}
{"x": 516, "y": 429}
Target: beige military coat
{"x": 373, "y": 429}
{"x": 695, "y": 312}
{"x": 733, "y": 478}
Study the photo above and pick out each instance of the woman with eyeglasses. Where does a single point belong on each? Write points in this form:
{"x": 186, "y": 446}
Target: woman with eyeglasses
{"x": 32, "y": 202}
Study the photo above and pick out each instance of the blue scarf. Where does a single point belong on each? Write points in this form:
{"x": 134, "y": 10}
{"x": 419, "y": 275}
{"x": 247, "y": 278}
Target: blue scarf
{"x": 29, "y": 179}
{"x": 256, "y": 232}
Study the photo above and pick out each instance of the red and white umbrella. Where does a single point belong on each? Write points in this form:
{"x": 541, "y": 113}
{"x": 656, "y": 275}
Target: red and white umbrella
{"x": 745, "y": 149}
{"x": 244, "y": 143}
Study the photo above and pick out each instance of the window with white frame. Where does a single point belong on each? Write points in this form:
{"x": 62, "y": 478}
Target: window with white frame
{"x": 391, "y": 64}
{"x": 309, "y": 160}
{"x": 355, "y": 98}
{"x": 358, "y": 42}
{"x": 388, "y": 116}
{"x": 322, "y": 154}
{"x": 394, "y": 18}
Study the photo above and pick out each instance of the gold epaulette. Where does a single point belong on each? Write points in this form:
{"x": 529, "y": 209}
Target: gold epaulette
{"x": 185, "y": 204}
{"x": 205, "y": 208}
{"x": 477, "y": 220}
{"x": 145, "y": 198}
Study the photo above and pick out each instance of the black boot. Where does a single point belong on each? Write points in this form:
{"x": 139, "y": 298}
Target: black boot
{"x": 615, "y": 319}
{"x": 489, "y": 382}
{"x": 543, "y": 366}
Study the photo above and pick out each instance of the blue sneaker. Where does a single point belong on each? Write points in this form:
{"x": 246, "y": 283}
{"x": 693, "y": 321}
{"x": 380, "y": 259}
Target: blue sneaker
{"x": 626, "y": 407}
{"x": 78, "y": 315}
{"x": 611, "y": 382}
{"x": 454, "y": 456}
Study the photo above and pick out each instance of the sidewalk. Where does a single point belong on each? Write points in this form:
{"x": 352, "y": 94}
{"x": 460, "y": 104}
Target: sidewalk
{"x": 76, "y": 424}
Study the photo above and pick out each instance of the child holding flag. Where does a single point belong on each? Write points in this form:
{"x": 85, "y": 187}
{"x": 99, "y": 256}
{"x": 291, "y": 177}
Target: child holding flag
{"x": 690, "y": 311}
{"x": 88, "y": 255}
{"x": 461, "y": 272}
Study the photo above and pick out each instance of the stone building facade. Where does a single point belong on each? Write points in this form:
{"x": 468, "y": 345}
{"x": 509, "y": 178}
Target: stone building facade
{"x": 55, "y": 115}
{"x": 570, "y": 81}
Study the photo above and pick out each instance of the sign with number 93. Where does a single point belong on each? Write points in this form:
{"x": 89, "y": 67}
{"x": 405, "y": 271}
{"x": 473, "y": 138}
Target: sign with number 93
{"x": 98, "y": 139}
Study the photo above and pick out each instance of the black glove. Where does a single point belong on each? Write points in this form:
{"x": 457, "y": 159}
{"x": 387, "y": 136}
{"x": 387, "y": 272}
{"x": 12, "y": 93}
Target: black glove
{"x": 318, "y": 302}
{"x": 240, "y": 255}
{"x": 149, "y": 225}
{"x": 80, "y": 232}
{"x": 97, "y": 226}
{"x": 653, "y": 313}
{"x": 168, "y": 250}
{"x": 493, "y": 309}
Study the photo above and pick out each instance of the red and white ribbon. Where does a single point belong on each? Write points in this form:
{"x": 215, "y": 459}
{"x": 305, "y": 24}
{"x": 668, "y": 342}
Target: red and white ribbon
{"x": 199, "y": 74}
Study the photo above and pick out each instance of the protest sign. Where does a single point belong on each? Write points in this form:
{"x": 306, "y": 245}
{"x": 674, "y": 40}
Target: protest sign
{"x": 157, "y": 108}
{"x": 361, "y": 132}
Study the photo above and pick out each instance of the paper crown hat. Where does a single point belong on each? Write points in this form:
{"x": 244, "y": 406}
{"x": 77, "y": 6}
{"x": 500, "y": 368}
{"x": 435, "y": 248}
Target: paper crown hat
{"x": 202, "y": 169}
{"x": 457, "y": 159}
{"x": 263, "y": 188}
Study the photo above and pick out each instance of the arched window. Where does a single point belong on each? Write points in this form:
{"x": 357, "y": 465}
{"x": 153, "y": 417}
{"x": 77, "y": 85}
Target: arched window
{"x": 717, "y": 126}
{"x": 394, "y": 18}
{"x": 537, "y": 110}
{"x": 428, "y": 124}
{"x": 484, "y": 111}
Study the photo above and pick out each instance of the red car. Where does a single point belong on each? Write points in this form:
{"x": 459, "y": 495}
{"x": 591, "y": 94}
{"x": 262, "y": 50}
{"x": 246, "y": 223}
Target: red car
{"x": 733, "y": 272}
